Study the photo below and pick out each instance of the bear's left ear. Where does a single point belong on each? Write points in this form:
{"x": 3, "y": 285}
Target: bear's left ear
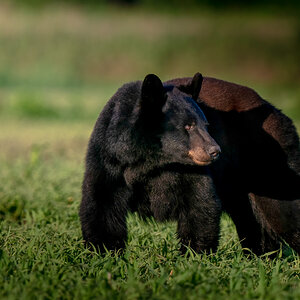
{"x": 153, "y": 95}
{"x": 193, "y": 87}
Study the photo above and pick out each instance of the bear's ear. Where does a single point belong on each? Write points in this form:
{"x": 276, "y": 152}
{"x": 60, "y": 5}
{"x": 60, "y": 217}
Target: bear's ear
{"x": 196, "y": 85}
{"x": 153, "y": 95}
{"x": 193, "y": 87}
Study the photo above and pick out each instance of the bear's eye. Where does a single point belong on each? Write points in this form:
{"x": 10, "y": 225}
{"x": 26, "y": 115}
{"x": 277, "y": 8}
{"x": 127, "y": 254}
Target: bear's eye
{"x": 190, "y": 126}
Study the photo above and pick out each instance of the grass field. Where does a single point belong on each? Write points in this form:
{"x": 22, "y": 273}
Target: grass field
{"x": 58, "y": 67}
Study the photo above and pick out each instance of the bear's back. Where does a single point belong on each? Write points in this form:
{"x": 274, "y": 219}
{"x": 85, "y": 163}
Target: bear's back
{"x": 227, "y": 97}
{"x": 119, "y": 108}
{"x": 110, "y": 136}
{"x": 223, "y": 95}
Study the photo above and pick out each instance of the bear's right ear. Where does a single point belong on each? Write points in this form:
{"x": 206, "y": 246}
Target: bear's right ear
{"x": 153, "y": 96}
{"x": 193, "y": 87}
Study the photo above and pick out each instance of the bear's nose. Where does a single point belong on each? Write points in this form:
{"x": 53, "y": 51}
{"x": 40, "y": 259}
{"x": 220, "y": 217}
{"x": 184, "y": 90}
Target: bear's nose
{"x": 214, "y": 152}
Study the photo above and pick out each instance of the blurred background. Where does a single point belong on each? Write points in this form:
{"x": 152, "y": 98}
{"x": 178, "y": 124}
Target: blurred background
{"x": 60, "y": 61}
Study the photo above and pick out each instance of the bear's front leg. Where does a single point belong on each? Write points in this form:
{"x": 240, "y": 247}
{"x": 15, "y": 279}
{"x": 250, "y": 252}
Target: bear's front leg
{"x": 103, "y": 212}
{"x": 199, "y": 215}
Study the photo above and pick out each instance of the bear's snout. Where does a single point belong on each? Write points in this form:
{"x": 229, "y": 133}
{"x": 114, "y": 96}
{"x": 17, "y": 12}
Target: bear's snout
{"x": 203, "y": 148}
{"x": 203, "y": 158}
{"x": 214, "y": 152}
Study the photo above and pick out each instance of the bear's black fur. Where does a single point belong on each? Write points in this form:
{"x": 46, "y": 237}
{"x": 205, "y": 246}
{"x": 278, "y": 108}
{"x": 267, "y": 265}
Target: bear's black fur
{"x": 140, "y": 158}
{"x": 144, "y": 155}
{"x": 257, "y": 178}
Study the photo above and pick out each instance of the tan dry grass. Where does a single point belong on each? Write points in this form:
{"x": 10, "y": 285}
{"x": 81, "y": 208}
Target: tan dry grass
{"x": 53, "y": 139}
{"x": 111, "y": 24}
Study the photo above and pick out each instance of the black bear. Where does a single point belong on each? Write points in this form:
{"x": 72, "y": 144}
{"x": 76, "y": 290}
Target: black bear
{"x": 149, "y": 152}
{"x": 257, "y": 177}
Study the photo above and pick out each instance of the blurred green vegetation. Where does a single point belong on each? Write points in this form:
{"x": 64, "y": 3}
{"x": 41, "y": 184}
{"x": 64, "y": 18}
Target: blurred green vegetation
{"x": 215, "y": 4}
{"x": 59, "y": 46}
{"x": 64, "y": 62}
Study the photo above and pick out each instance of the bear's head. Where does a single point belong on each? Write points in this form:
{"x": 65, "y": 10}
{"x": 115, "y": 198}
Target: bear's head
{"x": 177, "y": 121}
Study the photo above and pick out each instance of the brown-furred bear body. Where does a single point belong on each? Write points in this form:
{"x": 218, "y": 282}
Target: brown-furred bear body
{"x": 257, "y": 177}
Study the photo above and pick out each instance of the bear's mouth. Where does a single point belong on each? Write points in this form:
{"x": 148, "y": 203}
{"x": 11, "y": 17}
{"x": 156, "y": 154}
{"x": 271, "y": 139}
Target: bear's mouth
{"x": 201, "y": 162}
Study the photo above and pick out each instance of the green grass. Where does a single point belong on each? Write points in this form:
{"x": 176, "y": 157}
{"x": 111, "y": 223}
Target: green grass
{"x": 42, "y": 255}
{"x": 58, "y": 67}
